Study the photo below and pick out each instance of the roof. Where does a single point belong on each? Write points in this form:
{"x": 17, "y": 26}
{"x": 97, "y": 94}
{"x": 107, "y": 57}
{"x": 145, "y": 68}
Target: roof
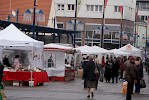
{"x": 28, "y": 28}
{"x": 23, "y": 5}
{"x": 11, "y": 35}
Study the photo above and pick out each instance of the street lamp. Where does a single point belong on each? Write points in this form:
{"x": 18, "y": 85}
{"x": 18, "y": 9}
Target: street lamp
{"x": 74, "y": 34}
{"x": 34, "y": 15}
{"x": 102, "y": 29}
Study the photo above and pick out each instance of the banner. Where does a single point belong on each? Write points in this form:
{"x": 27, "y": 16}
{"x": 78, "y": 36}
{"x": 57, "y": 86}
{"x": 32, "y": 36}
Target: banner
{"x": 105, "y": 3}
{"x": 121, "y": 9}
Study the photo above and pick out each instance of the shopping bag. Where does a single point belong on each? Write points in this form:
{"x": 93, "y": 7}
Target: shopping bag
{"x": 124, "y": 87}
{"x": 142, "y": 83}
{"x": 96, "y": 71}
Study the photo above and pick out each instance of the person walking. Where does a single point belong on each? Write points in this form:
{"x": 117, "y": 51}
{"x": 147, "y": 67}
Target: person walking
{"x": 85, "y": 60}
{"x": 115, "y": 69}
{"x": 139, "y": 74}
{"x": 99, "y": 68}
{"x": 102, "y": 69}
{"x": 122, "y": 69}
{"x": 90, "y": 76}
{"x": 1, "y": 72}
{"x": 130, "y": 76}
{"x": 108, "y": 71}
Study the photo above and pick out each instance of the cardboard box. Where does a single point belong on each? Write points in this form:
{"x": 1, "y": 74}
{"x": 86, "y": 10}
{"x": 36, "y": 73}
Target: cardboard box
{"x": 80, "y": 73}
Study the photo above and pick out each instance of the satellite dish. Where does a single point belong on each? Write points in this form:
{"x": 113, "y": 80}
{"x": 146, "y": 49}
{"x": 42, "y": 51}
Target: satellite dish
{"x": 13, "y": 13}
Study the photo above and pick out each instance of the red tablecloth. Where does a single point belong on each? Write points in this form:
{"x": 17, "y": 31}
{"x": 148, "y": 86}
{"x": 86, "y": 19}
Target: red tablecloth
{"x": 38, "y": 77}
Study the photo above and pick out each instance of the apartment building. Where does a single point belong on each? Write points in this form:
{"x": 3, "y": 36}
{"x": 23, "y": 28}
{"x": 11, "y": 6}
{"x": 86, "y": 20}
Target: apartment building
{"x": 90, "y": 18}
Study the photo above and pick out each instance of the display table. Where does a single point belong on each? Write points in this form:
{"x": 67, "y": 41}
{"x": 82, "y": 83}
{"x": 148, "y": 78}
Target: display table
{"x": 38, "y": 77}
{"x": 69, "y": 75}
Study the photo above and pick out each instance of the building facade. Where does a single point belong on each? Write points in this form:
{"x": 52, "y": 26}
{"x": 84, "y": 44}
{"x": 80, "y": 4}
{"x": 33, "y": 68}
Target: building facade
{"x": 143, "y": 13}
{"x": 90, "y": 18}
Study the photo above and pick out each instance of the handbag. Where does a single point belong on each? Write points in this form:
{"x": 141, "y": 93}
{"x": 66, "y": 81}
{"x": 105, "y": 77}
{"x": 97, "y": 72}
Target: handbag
{"x": 142, "y": 83}
{"x": 96, "y": 71}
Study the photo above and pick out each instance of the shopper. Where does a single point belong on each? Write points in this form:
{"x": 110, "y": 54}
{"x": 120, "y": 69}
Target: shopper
{"x": 130, "y": 76}
{"x": 122, "y": 68}
{"x": 1, "y": 72}
{"x": 115, "y": 69}
{"x": 90, "y": 76}
{"x": 139, "y": 74}
{"x": 85, "y": 60}
{"x": 108, "y": 71}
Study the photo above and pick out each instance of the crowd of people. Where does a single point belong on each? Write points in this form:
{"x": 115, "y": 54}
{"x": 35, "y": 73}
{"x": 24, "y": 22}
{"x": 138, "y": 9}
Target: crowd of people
{"x": 112, "y": 70}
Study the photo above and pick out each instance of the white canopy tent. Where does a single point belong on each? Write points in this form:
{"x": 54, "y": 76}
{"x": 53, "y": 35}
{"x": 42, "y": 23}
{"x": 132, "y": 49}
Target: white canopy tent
{"x": 57, "y": 54}
{"x": 57, "y": 46}
{"x": 87, "y": 50}
{"x": 131, "y": 49}
{"x": 118, "y": 52}
{"x": 11, "y": 38}
{"x": 101, "y": 50}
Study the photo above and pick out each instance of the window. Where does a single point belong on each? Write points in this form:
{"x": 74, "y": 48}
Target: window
{"x": 71, "y": 7}
{"x": 92, "y": 8}
{"x": 142, "y": 17}
{"x": 98, "y": 8}
{"x": 88, "y": 8}
{"x": 60, "y": 25}
{"x": 60, "y": 7}
{"x": 116, "y": 9}
{"x": 145, "y": 17}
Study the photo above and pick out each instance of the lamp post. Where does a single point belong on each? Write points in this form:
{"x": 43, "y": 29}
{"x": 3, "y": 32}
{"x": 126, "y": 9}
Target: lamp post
{"x": 102, "y": 28}
{"x": 34, "y": 15}
{"x": 146, "y": 43}
{"x": 74, "y": 34}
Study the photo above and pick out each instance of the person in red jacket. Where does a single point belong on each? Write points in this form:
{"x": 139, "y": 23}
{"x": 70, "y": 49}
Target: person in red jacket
{"x": 103, "y": 69}
{"x": 122, "y": 68}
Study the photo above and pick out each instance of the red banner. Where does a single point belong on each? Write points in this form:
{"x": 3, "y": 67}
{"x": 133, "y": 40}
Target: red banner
{"x": 105, "y": 3}
{"x": 121, "y": 9}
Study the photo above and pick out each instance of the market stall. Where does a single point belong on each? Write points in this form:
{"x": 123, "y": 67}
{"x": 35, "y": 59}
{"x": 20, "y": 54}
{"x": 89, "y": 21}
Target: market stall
{"x": 23, "y": 53}
{"x": 131, "y": 49}
{"x": 83, "y": 52}
{"x": 118, "y": 53}
{"x": 59, "y": 62}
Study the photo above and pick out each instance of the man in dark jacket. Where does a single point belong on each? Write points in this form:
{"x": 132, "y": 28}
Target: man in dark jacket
{"x": 1, "y": 72}
{"x": 130, "y": 76}
{"x": 139, "y": 74}
{"x": 83, "y": 67}
{"x": 115, "y": 69}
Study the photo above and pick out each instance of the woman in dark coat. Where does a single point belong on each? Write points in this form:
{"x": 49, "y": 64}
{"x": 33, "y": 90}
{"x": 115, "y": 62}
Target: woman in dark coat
{"x": 139, "y": 74}
{"x": 115, "y": 69}
{"x": 108, "y": 71}
{"x": 90, "y": 77}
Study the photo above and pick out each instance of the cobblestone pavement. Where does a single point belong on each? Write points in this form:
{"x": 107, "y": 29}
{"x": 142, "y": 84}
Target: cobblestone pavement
{"x": 72, "y": 91}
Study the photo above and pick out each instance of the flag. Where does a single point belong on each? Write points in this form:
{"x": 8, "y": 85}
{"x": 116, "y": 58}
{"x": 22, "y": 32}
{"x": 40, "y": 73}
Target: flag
{"x": 121, "y": 9}
{"x": 105, "y": 3}
{"x": 36, "y": 3}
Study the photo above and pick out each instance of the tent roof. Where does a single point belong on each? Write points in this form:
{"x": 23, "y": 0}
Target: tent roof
{"x": 100, "y": 49}
{"x": 87, "y": 50}
{"x": 129, "y": 48}
{"x": 12, "y": 35}
{"x": 119, "y": 52}
{"x": 57, "y": 46}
